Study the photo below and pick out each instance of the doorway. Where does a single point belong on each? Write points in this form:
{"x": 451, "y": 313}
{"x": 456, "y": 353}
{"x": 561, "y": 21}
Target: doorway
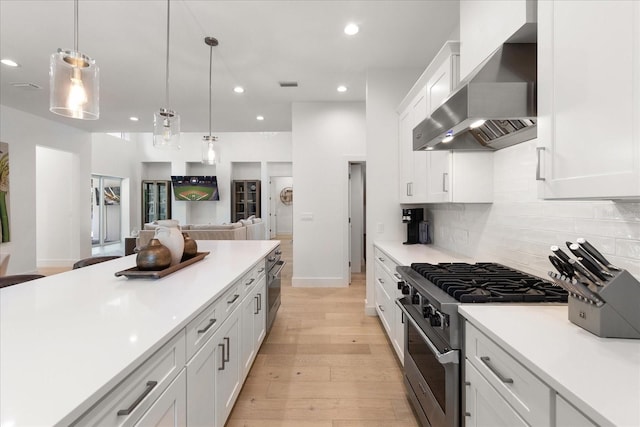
{"x": 281, "y": 206}
{"x": 357, "y": 217}
{"x": 106, "y": 226}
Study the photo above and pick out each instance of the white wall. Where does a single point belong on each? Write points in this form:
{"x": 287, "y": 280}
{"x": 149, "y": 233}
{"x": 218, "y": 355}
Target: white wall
{"x": 54, "y": 213}
{"x": 23, "y": 132}
{"x": 518, "y": 228}
{"x": 385, "y": 90}
{"x": 325, "y": 137}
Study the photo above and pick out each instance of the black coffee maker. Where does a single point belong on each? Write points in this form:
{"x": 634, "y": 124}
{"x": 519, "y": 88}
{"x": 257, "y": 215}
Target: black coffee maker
{"x": 413, "y": 218}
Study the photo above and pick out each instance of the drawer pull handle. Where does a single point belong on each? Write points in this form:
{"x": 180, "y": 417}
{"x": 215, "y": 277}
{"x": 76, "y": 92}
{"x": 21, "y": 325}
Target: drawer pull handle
{"x": 381, "y": 308}
{"x": 381, "y": 259}
{"x": 381, "y": 281}
{"x": 486, "y": 360}
{"x": 261, "y": 270}
{"x": 422, "y": 388}
{"x": 467, "y": 414}
{"x": 259, "y": 302}
{"x": 150, "y": 386}
{"x": 227, "y": 346}
{"x": 250, "y": 281}
{"x": 397, "y": 276}
{"x": 209, "y": 325}
{"x": 278, "y": 252}
{"x": 257, "y": 305}
{"x": 234, "y": 299}
{"x": 223, "y": 359}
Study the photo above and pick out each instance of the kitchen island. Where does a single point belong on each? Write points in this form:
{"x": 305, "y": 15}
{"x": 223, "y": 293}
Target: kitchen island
{"x": 67, "y": 340}
{"x": 600, "y": 377}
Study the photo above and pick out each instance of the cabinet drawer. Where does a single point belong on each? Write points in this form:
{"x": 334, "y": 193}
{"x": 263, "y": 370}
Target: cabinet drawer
{"x": 384, "y": 279}
{"x": 229, "y": 300}
{"x": 384, "y": 307}
{"x": 250, "y": 279}
{"x": 200, "y": 329}
{"x": 568, "y": 416}
{"x": 389, "y": 264}
{"x": 128, "y": 401}
{"x": 526, "y": 393}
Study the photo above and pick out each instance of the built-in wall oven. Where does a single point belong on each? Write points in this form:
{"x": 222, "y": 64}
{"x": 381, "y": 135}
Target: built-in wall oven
{"x": 433, "y": 337}
{"x": 274, "y": 265}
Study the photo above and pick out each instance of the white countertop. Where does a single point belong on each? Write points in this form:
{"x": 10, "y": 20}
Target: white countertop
{"x": 406, "y": 254}
{"x": 600, "y": 376}
{"x": 67, "y": 339}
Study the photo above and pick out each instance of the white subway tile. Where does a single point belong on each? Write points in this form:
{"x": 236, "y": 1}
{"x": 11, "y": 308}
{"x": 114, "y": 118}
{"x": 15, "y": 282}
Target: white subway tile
{"x": 618, "y": 229}
{"x": 628, "y": 248}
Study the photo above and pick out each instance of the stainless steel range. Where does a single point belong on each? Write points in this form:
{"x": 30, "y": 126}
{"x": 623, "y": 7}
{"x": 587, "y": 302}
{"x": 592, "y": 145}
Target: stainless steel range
{"x": 433, "y": 332}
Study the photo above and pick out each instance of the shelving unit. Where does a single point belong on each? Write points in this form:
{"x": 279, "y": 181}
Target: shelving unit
{"x": 156, "y": 200}
{"x": 245, "y": 199}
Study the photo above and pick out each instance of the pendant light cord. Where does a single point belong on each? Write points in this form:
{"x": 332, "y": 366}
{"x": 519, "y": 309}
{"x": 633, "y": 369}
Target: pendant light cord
{"x": 75, "y": 26}
{"x": 210, "y": 72}
{"x": 167, "y": 68}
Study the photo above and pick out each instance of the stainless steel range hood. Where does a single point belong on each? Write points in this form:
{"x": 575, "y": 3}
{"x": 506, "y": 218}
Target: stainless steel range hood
{"x": 502, "y": 93}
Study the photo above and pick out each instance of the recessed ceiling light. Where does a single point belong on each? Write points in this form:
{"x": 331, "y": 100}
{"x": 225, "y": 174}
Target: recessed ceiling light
{"x": 238, "y": 89}
{"x": 133, "y": 119}
{"x": 260, "y": 118}
{"x": 9, "y": 63}
{"x": 342, "y": 89}
{"x": 351, "y": 29}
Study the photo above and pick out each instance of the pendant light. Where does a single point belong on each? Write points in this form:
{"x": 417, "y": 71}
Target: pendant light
{"x": 208, "y": 149}
{"x": 74, "y": 81}
{"x": 166, "y": 122}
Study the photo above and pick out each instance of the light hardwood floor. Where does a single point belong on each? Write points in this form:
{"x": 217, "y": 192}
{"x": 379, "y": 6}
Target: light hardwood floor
{"x": 324, "y": 364}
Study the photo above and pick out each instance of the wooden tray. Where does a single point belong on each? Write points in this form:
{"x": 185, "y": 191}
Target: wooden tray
{"x": 135, "y": 273}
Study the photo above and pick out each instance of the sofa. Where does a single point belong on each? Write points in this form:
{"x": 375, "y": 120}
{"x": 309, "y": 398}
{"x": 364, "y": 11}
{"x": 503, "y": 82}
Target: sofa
{"x": 245, "y": 229}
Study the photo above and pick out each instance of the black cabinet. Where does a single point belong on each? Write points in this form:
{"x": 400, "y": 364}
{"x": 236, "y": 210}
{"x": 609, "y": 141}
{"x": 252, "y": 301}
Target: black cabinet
{"x": 245, "y": 199}
{"x": 156, "y": 201}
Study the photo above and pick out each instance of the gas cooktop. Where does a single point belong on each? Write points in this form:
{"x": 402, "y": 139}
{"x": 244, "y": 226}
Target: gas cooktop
{"x": 489, "y": 282}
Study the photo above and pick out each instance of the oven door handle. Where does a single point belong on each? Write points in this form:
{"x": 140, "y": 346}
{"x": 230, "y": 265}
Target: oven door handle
{"x": 281, "y": 264}
{"x": 451, "y": 356}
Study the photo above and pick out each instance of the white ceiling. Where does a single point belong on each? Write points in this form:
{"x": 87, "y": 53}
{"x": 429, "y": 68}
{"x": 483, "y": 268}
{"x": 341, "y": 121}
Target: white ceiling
{"x": 261, "y": 43}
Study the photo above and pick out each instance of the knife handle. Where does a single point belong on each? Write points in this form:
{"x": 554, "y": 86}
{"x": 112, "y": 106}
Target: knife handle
{"x": 588, "y": 247}
{"x": 584, "y": 272}
{"x": 586, "y": 260}
{"x": 560, "y": 253}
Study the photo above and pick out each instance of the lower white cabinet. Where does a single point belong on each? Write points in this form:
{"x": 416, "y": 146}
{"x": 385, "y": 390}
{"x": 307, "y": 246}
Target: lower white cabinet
{"x": 484, "y": 407}
{"x": 170, "y": 410}
{"x": 228, "y": 376}
{"x": 568, "y": 416}
{"x": 386, "y": 292}
{"x": 254, "y": 322}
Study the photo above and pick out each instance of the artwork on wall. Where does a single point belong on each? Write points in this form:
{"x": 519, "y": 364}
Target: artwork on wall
{"x": 4, "y": 192}
{"x": 111, "y": 195}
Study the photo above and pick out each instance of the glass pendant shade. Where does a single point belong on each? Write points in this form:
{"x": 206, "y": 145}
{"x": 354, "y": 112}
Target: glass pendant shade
{"x": 74, "y": 85}
{"x": 166, "y": 129}
{"x": 208, "y": 150}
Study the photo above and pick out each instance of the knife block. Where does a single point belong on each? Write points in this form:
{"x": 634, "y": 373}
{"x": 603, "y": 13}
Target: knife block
{"x": 618, "y": 317}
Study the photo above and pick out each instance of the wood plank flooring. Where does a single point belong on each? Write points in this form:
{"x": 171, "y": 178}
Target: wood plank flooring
{"x": 324, "y": 364}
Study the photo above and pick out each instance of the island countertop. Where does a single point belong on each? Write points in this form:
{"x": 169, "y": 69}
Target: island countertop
{"x": 67, "y": 339}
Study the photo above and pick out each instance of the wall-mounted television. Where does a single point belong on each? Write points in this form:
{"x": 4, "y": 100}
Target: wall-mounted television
{"x": 195, "y": 188}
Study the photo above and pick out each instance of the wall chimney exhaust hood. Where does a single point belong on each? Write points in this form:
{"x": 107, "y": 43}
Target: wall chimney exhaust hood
{"x": 493, "y": 108}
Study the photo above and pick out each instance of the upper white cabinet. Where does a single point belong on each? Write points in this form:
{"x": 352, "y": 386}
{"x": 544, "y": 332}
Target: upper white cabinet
{"x": 460, "y": 176}
{"x": 487, "y": 24}
{"x": 588, "y": 99}
{"x": 433, "y": 86}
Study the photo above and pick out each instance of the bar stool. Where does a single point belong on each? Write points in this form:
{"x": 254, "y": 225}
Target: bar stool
{"x": 17, "y": 279}
{"x": 94, "y": 260}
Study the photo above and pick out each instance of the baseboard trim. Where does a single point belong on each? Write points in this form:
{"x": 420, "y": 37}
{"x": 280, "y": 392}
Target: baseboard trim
{"x": 319, "y": 282}
{"x": 370, "y": 310}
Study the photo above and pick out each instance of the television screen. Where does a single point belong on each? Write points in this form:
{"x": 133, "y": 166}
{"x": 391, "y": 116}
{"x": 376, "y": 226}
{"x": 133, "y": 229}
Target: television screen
{"x": 195, "y": 188}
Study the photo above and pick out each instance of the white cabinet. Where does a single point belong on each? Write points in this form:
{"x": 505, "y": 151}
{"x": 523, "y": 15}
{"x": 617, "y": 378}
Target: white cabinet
{"x": 487, "y": 24}
{"x": 460, "y": 176}
{"x": 254, "y": 323}
{"x": 170, "y": 410}
{"x": 412, "y": 163}
{"x": 386, "y": 292}
{"x": 201, "y": 384}
{"x": 588, "y": 99}
{"x": 228, "y": 375}
{"x": 433, "y": 86}
{"x": 484, "y": 407}
{"x": 568, "y": 416}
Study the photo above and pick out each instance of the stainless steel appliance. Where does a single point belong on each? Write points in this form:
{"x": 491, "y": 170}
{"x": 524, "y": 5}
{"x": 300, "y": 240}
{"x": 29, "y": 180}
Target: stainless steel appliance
{"x": 274, "y": 266}
{"x": 433, "y": 338}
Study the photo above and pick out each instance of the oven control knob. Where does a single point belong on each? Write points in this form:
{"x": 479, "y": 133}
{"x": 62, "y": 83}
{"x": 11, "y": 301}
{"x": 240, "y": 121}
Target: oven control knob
{"x": 406, "y": 290}
{"x": 434, "y": 319}
{"x": 415, "y": 299}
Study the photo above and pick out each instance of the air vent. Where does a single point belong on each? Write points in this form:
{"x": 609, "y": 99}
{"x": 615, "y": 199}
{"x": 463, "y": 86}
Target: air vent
{"x": 288, "y": 84}
{"x": 25, "y": 85}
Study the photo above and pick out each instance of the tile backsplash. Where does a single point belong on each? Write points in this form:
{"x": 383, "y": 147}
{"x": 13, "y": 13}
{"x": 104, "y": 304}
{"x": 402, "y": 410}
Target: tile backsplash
{"x": 517, "y": 229}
